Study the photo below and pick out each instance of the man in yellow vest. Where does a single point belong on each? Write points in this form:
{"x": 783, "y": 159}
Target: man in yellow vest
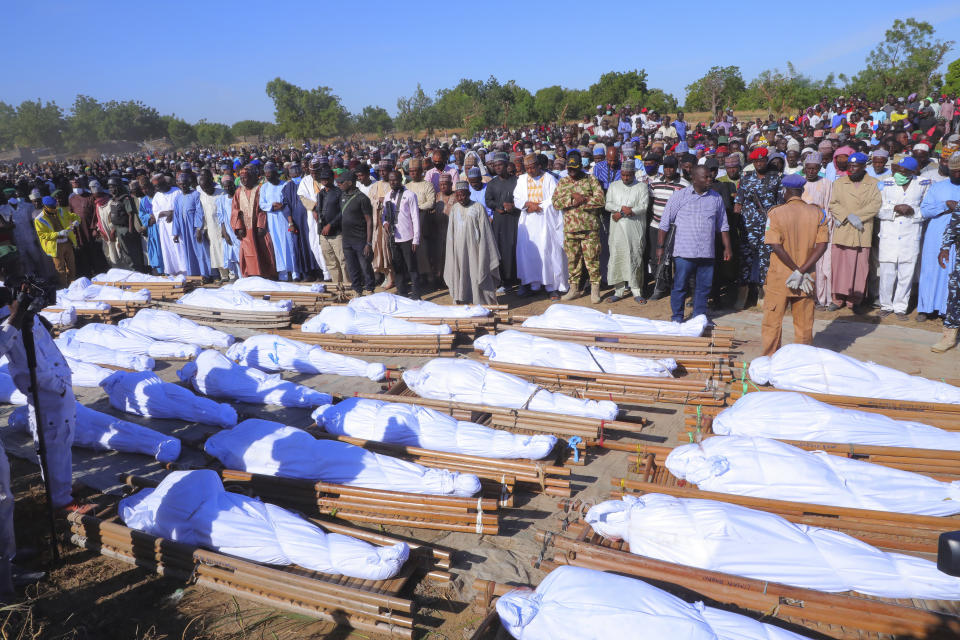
{"x": 55, "y": 227}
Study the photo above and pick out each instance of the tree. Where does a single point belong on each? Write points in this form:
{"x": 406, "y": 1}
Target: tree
{"x": 39, "y": 124}
{"x": 905, "y": 62}
{"x": 130, "y": 120}
{"x": 180, "y": 132}
{"x": 213, "y": 134}
{"x": 8, "y": 125}
{"x": 248, "y": 128}
{"x": 414, "y": 112}
{"x": 82, "y": 127}
{"x": 951, "y": 83}
{"x": 719, "y": 87}
{"x": 615, "y": 87}
{"x": 301, "y": 113}
{"x": 548, "y": 103}
{"x": 660, "y": 101}
{"x": 373, "y": 120}
{"x": 782, "y": 91}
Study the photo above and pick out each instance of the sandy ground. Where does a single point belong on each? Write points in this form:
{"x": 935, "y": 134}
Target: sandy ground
{"x": 88, "y": 596}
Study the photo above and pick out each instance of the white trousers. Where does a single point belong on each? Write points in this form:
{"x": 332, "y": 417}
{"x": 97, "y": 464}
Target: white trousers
{"x": 8, "y": 544}
{"x": 59, "y": 414}
{"x": 896, "y": 282}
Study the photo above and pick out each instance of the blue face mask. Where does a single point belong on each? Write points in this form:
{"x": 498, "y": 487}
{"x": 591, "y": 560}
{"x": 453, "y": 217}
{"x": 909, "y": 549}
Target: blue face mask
{"x": 13, "y": 201}
{"x": 651, "y": 169}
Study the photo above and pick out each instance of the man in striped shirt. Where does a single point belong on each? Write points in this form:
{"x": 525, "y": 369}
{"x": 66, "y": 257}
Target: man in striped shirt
{"x": 661, "y": 188}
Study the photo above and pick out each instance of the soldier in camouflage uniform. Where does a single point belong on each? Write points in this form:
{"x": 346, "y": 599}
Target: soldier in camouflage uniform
{"x": 580, "y": 198}
{"x": 951, "y": 318}
{"x": 763, "y": 186}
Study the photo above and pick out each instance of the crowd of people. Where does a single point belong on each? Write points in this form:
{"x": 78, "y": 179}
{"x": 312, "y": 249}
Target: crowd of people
{"x": 630, "y": 199}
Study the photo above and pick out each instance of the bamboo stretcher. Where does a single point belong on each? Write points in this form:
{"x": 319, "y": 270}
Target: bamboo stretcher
{"x": 519, "y": 420}
{"x": 228, "y": 317}
{"x": 937, "y": 414}
{"x": 169, "y": 290}
{"x": 429, "y": 345}
{"x": 462, "y": 325}
{"x": 371, "y": 606}
{"x": 837, "y": 615}
{"x": 883, "y": 529}
{"x": 538, "y": 475}
{"x": 940, "y": 464}
{"x": 373, "y": 506}
{"x": 622, "y": 389}
{"x": 714, "y": 340}
{"x": 103, "y": 316}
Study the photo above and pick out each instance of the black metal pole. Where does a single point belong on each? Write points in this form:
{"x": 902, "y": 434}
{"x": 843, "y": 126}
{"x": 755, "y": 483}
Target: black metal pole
{"x": 41, "y": 446}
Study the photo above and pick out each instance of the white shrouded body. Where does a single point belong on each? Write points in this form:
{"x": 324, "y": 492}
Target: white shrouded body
{"x": 85, "y": 374}
{"x": 729, "y": 538}
{"x": 217, "y": 376}
{"x": 274, "y": 449}
{"x": 103, "y": 432}
{"x": 474, "y": 382}
{"x": 793, "y": 416}
{"x": 144, "y": 394}
{"x": 275, "y": 353}
{"x": 411, "y": 425}
{"x": 125, "y": 275}
{"x": 83, "y": 290}
{"x": 192, "y": 507}
{"x": 351, "y": 322}
{"x": 390, "y": 304}
{"x": 258, "y": 284}
{"x": 573, "y": 602}
{"x": 573, "y": 318}
{"x": 166, "y": 325}
{"x": 65, "y": 318}
{"x": 517, "y": 347}
{"x": 92, "y": 353}
{"x": 113, "y": 337}
{"x": 801, "y": 367}
{"x": 765, "y": 468}
{"x": 232, "y": 300}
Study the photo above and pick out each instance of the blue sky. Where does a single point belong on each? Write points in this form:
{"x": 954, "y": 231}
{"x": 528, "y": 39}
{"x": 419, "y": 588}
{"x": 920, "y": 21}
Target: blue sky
{"x": 211, "y": 59}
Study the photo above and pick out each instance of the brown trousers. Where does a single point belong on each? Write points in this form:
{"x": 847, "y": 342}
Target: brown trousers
{"x": 65, "y": 262}
{"x": 774, "y": 308}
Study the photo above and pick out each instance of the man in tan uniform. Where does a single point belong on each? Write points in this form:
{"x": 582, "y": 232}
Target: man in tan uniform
{"x": 798, "y": 234}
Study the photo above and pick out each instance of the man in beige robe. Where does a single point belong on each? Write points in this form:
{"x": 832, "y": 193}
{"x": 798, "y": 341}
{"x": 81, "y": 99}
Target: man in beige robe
{"x": 472, "y": 264}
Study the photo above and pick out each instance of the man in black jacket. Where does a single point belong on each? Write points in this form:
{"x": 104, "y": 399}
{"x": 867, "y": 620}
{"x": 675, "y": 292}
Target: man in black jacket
{"x": 327, "y": 212}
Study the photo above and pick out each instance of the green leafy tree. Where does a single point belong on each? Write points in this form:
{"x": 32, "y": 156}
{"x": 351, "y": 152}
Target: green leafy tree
{"x": 8, "y": 125}
{"x": 130, "y": 120}
{"x": 248, "y": 128}
{"x": 82, "y": 128}
{"x": 781, "y": 92}
{"x": 719, "y": 87}
{"x": 213, "y": 134}
{"x": 905, "y": 62}
{"x": 615, "y": 87}
{"x": 373, "y": 120}
{"x": 951, "y": 83}
{"x": 301, "y": 113}
{"x": 415, "y": 112}
{"x": 180, "y": 132}
{"x": 39, "y": 124}
{"x": 549, "y": 102}
{"x": 660, "y": 101}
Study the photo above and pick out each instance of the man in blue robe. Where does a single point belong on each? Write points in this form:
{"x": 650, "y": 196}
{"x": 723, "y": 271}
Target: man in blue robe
{"x": 937, "y": 208}
{"x": 304, "y": 258}
{"x": 189, "y": 228}
{"x": 149, "y": 222}
{"x": 224, "y": 209}
{"x": 279, "y": 222}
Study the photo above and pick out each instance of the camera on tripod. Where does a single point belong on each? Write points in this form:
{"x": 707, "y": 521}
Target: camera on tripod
{"x": 33, "y": 293}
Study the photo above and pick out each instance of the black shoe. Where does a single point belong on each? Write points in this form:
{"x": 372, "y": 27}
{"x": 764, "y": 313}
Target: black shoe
{"x": 922, "y": 317}
{"x": 833, "y": 307}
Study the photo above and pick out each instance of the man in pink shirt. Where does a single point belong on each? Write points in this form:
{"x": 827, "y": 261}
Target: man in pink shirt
{"x": 439, "y": 167}
{"x": 401, "y": 220}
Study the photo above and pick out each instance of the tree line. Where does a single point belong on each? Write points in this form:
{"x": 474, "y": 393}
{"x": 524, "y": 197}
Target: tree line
{"x": 906, "y": 61}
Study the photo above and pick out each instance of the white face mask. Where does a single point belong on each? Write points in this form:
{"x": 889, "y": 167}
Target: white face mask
{"x": 78, "y": 190}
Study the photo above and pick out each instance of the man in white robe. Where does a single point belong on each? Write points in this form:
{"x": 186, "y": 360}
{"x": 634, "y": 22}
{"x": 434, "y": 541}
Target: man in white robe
{"x": 209, "y": 194}
{"x": 174, "y": 254}
{"x": 541, "y": 260}
{"x": 472, "y": 264}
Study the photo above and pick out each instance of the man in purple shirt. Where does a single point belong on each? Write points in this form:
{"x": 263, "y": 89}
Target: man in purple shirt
{"x": 401, "y": 220}
{"x": 699, "y": 214}
{"x": 440, "y": 167}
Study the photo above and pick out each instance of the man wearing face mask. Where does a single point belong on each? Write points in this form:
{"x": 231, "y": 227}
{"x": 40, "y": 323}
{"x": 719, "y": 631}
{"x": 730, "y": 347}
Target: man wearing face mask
{"x": 229, "y": 241}
{"x": 900, "y": 231}
{"x": 249, "y": 223}
{"x": 854, "y": 204}
{"x": 83, "y": 205}
{"x": 938, "y": 207}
